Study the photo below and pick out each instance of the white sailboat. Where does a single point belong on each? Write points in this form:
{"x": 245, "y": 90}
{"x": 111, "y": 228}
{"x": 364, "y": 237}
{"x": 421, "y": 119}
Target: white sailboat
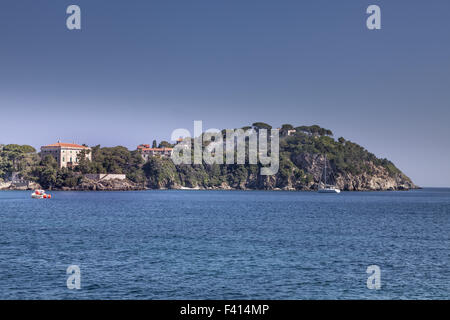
{"x": 327, "y": 188}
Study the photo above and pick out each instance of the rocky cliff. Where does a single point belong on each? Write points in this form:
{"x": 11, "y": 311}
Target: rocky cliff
{"x": 378, "y": 180}
{"x": 302, "y": 161}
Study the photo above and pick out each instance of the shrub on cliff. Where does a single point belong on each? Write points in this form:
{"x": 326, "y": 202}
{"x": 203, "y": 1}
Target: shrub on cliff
{"x": 161, "y": 172}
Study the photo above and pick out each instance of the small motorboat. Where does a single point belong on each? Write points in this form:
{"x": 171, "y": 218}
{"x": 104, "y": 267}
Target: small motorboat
{"x": 40, "y": 194}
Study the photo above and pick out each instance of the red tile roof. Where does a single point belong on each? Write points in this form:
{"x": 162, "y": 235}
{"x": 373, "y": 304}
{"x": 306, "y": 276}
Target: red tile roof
{"x": 66, "y": 145}
{"x": 156, "y": 149}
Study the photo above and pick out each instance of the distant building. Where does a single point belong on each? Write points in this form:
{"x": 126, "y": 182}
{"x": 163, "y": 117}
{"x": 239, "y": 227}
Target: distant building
{"x": 66, "y": 154}
{"x": 286, "y": 133}
{"x": 147, "y": 152}
{"x": 291, "y": 132}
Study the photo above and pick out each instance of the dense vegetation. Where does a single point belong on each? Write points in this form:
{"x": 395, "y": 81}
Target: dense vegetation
{"x": 16, "y": 158}
{"x": 345, "y": 157}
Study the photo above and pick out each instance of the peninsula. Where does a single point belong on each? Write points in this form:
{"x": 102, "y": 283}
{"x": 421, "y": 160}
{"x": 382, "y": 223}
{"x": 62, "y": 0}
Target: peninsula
{"x": 303, "y": 152}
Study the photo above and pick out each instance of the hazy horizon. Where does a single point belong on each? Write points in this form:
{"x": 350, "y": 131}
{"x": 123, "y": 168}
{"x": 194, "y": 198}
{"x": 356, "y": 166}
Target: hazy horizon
{"x": 137, "y": 71}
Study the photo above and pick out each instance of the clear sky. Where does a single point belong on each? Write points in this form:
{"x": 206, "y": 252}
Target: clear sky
{"x": 139, "y": 69}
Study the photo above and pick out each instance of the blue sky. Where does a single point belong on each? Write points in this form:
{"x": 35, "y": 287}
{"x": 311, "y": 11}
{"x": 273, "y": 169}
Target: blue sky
{"x": 139, "y": 69}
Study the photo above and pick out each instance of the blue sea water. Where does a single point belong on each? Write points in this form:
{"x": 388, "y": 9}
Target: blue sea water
{"x": 225, "y": 244}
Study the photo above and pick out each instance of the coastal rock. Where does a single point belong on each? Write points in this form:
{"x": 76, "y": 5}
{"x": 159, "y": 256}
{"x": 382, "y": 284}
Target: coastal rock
{"x": 376, "y": 178}
{"x": 379, "y": 181}
{"x": 20, "y": 186}
{"x": 5, "y": 185}
{"x": 107, "y": 185}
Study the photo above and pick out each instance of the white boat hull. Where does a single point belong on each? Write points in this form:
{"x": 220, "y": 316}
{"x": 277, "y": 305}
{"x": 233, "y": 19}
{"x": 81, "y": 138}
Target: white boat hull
{"x": 40, "y": 194}
{"x": 329, "y": 190}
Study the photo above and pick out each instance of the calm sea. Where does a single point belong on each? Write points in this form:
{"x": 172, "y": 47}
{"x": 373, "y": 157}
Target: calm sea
{"x": 225, "y": 245}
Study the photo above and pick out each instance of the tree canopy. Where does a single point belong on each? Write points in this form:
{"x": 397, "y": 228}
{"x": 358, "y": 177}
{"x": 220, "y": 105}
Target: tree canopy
{"x": 261, "y": 125}
{"x": 315, "y": 130}
{"x": 165, "y": 144}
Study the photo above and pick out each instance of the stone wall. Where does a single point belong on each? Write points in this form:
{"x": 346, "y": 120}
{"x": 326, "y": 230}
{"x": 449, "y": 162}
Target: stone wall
{"x": 105, "y": 176}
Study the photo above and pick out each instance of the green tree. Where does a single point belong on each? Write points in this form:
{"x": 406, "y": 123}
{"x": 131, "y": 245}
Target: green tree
{"x": 315, "y": 130}
{"x": 160, "y": 172}
{"x": 165, "y": 144}
{"x": 19, "y": 148}
{"x": 47, "y": 172}
{"x": 285, "y": 128}
{"x": 83, "y": 161}
{"x": 261, "y": 125}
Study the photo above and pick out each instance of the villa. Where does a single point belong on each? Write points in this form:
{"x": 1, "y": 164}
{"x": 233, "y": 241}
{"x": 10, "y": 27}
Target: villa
{"x": 66, "y": 154}
{"x": 147, "y": 152}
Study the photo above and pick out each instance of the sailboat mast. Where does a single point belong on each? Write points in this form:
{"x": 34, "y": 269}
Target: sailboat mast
{"x": 325, "y": 170}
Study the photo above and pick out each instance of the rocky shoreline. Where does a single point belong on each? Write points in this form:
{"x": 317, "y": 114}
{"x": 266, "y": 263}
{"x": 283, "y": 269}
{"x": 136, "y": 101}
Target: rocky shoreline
{"x": 376, "y": 178}
{"x": 127, "y": 185}
{"x": 86, "y": 185}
